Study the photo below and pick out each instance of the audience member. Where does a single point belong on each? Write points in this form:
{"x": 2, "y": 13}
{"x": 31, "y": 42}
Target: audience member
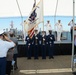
{"x": 14, "y": 39}
{"x": 4, "y": 47}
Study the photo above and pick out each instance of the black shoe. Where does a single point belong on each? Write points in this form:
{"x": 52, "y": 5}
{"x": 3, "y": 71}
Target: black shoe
{"x": 49, "y": 57}
{"x": 15, "y": 68}
{"x": 52, "y": 57}
{"x": 28, "y": 58}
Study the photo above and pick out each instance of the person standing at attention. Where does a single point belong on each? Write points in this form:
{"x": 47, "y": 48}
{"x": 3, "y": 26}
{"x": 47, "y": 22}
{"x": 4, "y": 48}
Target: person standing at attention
{"x": 59, "y": 29}
{"x": 43, "y": 44}
{"x": 71, "y": 29}
{"x": 48, "y": 27}
{"x": 75, "y": 44}
{"x": 28, "y": 46}
{"x": 51, "y": 40}
{"x": 36, "y": 44}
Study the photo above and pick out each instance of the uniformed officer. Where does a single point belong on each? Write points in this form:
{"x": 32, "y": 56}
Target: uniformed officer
{"x": 59, "y": 30}
{"x": 51, "y": 40}
{"x": 75, "y": 44}
{"x": 43, "y": 44}
{"x": 48, "y": 27}
{"x": 28, "y": 46}
{"x": 71, "y": 29}
{"x": 36, "y": 44}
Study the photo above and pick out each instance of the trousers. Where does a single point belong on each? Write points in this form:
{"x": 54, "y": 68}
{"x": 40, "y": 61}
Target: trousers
{"x": 3, "y": 66}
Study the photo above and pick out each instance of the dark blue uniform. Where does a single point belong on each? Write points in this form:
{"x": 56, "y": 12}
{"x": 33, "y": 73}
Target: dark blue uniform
{"x": 43, "y": 46}
{"x": 28, "y": 46}
{"x": 36, "y": 46}
{"x": 51, "y": 40}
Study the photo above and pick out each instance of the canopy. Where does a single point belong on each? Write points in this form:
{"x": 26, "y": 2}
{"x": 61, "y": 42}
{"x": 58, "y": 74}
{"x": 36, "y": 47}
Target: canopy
{"x": 9, "y": 8}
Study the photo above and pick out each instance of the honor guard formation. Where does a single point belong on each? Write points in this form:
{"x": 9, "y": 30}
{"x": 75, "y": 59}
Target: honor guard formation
{"x": 40, "y": 42}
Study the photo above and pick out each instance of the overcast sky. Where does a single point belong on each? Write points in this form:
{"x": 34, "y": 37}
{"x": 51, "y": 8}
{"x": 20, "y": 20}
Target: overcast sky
{"x": 9, "y": 7}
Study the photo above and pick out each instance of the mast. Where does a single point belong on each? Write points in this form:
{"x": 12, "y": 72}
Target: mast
{"x": 72, "y": 61}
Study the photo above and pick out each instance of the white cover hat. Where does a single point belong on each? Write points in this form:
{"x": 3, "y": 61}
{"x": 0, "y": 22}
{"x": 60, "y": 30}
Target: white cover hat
{"x": 1, "y": 31}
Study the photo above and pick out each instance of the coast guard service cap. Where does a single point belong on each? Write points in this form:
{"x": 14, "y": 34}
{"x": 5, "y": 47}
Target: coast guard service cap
{"x": 1, "y": 32}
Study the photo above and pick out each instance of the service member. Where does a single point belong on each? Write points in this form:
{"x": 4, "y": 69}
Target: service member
{"x": 59, "y": 30}
{"x": 51, "y": 40}
{"x": 71, "y": 29}
{"x": 48, "y": 27}
{"x": 28, "y": 46}
{"x": 75, "y": 44}
{"x": 43, "y": 45}
{"x": 36, "y": 44}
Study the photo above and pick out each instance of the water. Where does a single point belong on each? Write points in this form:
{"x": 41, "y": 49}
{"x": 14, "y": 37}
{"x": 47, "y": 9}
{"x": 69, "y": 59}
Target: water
{"x": 67, "y": 35}
{"x": 6, "y": 21}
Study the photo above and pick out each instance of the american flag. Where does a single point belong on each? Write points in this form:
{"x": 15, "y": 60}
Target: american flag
{"x": 35, "y": 17}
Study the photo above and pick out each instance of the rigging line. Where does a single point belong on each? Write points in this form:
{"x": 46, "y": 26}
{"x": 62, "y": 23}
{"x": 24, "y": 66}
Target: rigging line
{"x": 19, "y": 10}
{"x": 55, "y": 11}
{"x": 22, "y": 20}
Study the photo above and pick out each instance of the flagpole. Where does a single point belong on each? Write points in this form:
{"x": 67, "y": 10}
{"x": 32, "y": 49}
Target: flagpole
{"x": 43, "y": 14}
{"x": 55, "y": 14}
{"x": 72, "y": 61}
